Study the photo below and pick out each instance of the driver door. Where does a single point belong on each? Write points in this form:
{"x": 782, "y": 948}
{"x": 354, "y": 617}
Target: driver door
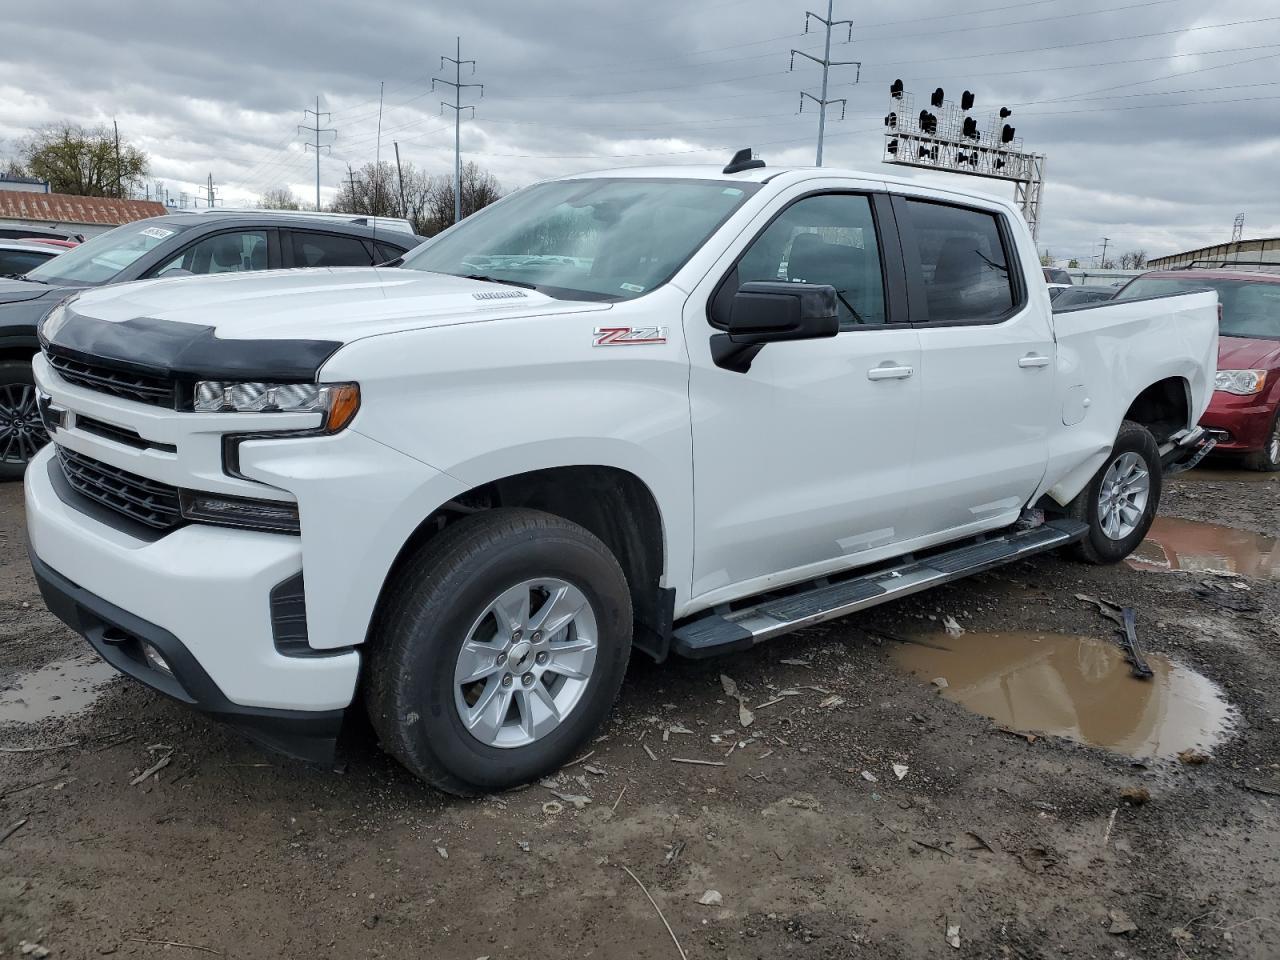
{"x": 804, "y": 464}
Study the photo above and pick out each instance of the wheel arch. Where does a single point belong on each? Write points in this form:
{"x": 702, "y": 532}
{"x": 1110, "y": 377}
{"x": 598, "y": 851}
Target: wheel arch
{"x": 1163, "y": 407}
{"x": 612, "y": 503}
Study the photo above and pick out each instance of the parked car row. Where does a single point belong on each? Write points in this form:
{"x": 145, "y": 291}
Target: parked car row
{"x": 176, "y": 245}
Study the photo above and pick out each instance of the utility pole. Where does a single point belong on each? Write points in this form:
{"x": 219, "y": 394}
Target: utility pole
{"x": 1103, "y": 261}
{"x": 457, "y": 108}
{"x": 115, "y": 126}
{"x": 826, "y": 63}
{"x": 351, "y": 179}
{"x": 316, "y": 130}
{"x": 211, "y": 195}
{"x": 400, "y": 180}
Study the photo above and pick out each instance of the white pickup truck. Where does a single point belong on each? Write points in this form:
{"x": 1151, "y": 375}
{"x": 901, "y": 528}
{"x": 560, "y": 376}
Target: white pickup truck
{"x": 677, "y": 410}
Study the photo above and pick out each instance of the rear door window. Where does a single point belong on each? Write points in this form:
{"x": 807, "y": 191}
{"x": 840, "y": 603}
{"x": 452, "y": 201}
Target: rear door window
{"x": 236, "y": 251}
{"x": 329, "y": 250}
{"x": 963, "y": 260}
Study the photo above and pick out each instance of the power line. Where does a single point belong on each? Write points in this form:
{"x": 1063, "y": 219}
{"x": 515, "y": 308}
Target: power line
{"x": 457, "y": 108}
{"x": 826, "y": 63}
{"x": 317, "y": 129}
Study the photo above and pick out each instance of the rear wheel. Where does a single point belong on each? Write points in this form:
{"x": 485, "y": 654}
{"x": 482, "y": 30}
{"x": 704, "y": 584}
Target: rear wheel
{"x": 1268, "y": 458}
{"x": 1120, "y": 502}
{"x": 22, "y": 433}
{"x": 500, "y": 650}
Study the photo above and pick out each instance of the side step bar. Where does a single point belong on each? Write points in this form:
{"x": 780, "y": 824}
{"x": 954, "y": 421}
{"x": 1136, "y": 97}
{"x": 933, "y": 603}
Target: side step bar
{"x": 717, "y": 633}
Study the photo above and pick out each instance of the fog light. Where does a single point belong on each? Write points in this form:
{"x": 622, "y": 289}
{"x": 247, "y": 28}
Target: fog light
{"x": 156, "y": 660}
{"x": 273, "y": 515}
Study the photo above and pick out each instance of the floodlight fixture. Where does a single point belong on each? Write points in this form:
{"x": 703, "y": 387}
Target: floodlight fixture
{"x": 937, "y": 98}
{"x": 891, "y": 121}
{"x": 895, "y": 89}
{"x": 966, "y": 100}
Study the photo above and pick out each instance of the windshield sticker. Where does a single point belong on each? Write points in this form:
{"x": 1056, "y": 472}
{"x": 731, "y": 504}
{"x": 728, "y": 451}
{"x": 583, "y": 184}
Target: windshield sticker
{"x": 157, "y": 233}
{"x": 628, "y": 336}
{"x": 632, "y": 287}
{"x": 731, "y": 192}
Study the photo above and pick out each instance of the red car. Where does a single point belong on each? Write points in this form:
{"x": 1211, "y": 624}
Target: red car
{"x": 53, "y": 243}
{"x": 1244, "y": 414}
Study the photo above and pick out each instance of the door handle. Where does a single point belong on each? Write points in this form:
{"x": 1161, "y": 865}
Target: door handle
{"x": 1033, "y": 360}
{"x": 889, "y": 372}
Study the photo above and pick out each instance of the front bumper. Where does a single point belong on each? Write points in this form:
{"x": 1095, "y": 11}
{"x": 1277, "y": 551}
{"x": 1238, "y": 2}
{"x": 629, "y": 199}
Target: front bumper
{"x": 1241, "y": 424}
{"x": 201, "y": 593}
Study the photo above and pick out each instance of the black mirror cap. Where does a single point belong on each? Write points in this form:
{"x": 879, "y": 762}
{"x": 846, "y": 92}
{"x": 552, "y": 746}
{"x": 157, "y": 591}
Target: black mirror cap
{"x": 766, "y": 311}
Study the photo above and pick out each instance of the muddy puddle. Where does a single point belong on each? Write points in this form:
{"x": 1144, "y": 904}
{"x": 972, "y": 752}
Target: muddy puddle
{"x": 1215, "y": 475}
{"x": 1196, "y": 547}
{"x": 1074, "y": 687}
{"x": 60, "y": 689}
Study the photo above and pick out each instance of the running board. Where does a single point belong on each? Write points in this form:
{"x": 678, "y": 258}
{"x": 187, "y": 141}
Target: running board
{"x": 738, "y": 629}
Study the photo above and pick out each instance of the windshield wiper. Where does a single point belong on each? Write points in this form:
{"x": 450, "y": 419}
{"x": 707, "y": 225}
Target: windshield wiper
{"x": 509, "y": 283}
{"x": 23, "y": 276}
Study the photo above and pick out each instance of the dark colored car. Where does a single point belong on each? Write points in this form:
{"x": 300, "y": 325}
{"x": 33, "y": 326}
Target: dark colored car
{"x": 19, "y": 256}
{"x": 1056, "y": 275}
{"x": 29, "y": 233}
{"x": 1244, "y": 414}
{"x": 1079, "y": 296}
{"x": 170, "y": 246}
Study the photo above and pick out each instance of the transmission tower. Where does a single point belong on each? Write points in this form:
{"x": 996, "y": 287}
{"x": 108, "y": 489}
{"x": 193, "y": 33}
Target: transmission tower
{"x": 316, "y": 130}
{"x": 457, "y": 108}
{"x": 211, "y": 195}
{"x": 826, "y": 63}
{"x": 1237, "y": 229}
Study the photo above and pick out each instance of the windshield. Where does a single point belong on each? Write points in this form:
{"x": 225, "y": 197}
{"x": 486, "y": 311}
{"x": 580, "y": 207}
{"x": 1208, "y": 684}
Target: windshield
{"x": 1250, "y": 308}
{"x": 606, "y": 239}
{"x": 99, "y": 259}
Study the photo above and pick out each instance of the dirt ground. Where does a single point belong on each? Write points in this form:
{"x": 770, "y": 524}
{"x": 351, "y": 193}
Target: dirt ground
{"x": 1025, "y": 844}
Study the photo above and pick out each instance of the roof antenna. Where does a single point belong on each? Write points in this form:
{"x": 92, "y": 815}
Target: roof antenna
{"x": 744, "y": 159}
{"x": 377, "y": 174}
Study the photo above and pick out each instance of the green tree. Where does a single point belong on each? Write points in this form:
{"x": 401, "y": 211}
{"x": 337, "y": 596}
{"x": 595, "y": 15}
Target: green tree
{"x": 83, "y": 161}
{"x": 1073, "y": 264}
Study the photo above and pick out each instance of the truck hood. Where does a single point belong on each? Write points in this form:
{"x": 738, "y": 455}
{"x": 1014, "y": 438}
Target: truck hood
{"x": 337, "y": 305}
{"x": 22, "y": 291}
{"x": 1246, "y": 353}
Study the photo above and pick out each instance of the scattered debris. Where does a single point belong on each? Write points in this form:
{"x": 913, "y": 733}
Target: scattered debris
{"x": 1137, "y": 665}
{"x": 576, "y": 800}
{"x": 711, "y": 898}
{"x": 178, "y": 943}
{"x": 553, "y": 807}
{"x": 673, "y": 854}
{"x": 1111, "y": 611}
{"x": 1193, "y": 758}
{"x": 729, "y": 686}
{"x": 523, "y": 845}
{"x": 1121, "y": 925}
{"x": 152, "y": 770}
{"x": 619, "y": 800}
{"x": 953, "y": 935}
{"x": 1037, "y": 859}
{"x": 1270, "y": 788}
{"x": 796, "y": 663}
{"x": 32, "y": 950}
{"x": 1029, "y": 737}
{"x": 587, "y": 755}
{"x": 982, "y": 844}
{"x": 952, "y": 627}
{"x": 13, "y": 828}
{"x": 597, "y": 771}
{"x": 683, "y": 955}
{"x": 52, "y": 746}
{"x": 444, "y": 854}
{"x": 900, "y": 770}
{"x": 831, "y": 702}
{"x": 870, "y": 777}
{"x": 700, "y": 763}
{"x": 649, "y": 751}
{"x": 1111, "y": 823}
{"x": 940, "y": 683}
{"x": 1181, "y": 935}
{"x": 745, "y": 716}
{"x": 1136, "y": 796}
{"x": 932, "y": 846}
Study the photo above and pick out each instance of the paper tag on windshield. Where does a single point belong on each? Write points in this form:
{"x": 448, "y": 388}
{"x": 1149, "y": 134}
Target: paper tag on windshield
{"x": 157, "y": 233}
{"x": 632, "y": 287}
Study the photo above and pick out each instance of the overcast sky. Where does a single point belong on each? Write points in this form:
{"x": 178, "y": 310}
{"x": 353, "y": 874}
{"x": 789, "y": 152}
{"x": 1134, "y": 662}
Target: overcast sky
{"x": 1159, "y": 119}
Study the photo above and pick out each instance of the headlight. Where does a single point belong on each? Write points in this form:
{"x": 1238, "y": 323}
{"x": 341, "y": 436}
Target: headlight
{"x": 1243, "y": 383}
{"x": 337, "y": 401}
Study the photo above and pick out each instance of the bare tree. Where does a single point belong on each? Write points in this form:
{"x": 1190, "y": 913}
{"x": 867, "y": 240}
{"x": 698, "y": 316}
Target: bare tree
{"x": 1133, "y": 260}
{"x": 374, "y": 190}
{"x": 371, "y": 190}
{"x": 84, "y": 161}
{"x": 279, "y": 198}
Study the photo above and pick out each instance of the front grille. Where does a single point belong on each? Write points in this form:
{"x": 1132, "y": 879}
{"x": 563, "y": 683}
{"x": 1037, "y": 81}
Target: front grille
{"x": 148, "y": 502}
{"x": 142, "y": 388}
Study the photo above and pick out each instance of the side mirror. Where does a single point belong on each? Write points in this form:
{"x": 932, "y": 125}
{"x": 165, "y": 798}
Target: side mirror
{"x": 773, "y": 312}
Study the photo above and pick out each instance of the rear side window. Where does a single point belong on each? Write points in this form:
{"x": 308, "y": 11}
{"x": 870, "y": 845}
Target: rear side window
{"x": 387, "y": 252}
{"x": 329, "y": 250}
{"x": 963, "y": 261}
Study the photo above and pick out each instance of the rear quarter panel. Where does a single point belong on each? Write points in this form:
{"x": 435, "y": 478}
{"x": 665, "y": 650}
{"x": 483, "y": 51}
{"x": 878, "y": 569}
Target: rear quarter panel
{"x": 1110, "y": 353}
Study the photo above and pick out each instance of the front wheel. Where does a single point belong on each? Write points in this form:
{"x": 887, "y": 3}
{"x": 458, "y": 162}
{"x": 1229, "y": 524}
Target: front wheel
{"x": 1268, "y": 458}
{"x": 500, "y": 648}
{"x": 21, "y": 430}
{"x": 1120, "y": 502}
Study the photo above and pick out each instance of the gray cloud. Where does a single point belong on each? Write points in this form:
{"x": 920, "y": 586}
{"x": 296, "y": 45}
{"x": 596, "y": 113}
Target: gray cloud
{"x": 1158, "y": 125}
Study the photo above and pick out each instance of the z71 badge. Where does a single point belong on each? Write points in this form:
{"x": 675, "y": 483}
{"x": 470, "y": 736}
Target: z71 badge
{"x": 628, "y": 336}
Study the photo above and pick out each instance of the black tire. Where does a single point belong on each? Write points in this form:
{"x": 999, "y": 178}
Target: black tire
{"x": 427, "y": 611}
{"x": 1097, "y": 547}
{"x": 21, "y": 432}
{"x": 1267, "y": 459}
